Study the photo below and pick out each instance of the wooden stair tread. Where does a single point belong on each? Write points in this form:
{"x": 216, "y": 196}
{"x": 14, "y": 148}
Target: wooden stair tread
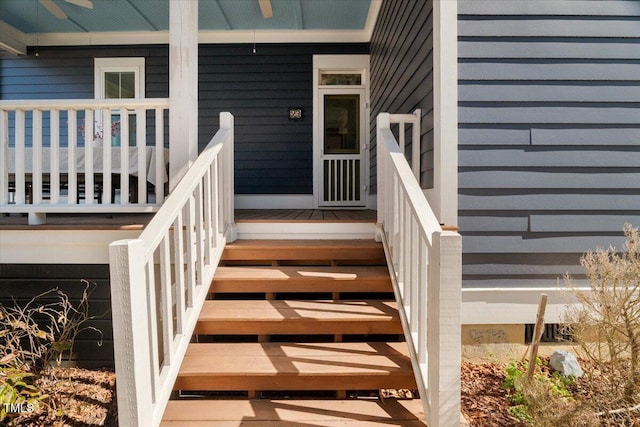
{"x": 279, "y": 317}
{"x": 303, "y": 278}
{"x": 303, "y": 250}
{"x": 258, "y": 412}
{"x": 303, "y": 273}
{"x": 298, "y": 267}
{"x": 375, "y": 357}
{"x": 294, "y": 310}
{"x": 295, "y": 366}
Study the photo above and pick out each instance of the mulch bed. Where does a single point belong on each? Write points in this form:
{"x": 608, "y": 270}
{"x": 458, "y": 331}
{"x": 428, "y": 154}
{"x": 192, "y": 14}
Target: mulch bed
{"x": 484, "y": 400}
{"x": 77, "y": 397}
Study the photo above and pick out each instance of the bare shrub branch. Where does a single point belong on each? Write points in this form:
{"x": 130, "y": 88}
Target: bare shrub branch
{"x": 607, "y": 324}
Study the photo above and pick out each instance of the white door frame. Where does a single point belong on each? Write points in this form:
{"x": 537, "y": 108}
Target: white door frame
{"x": 362, "y": 155}
{"x": 347, "y": 64}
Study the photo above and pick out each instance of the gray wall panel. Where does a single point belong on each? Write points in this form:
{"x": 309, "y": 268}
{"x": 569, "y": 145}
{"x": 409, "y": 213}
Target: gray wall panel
{"x": 549, "y": 7}
{"x": 549, "y": 113}
{"x": 558, "y": 92}
{"x": 603, "y": 137}
{"x": 591, "y": 178}
{"x": 550, "y": 27}
{"x": 549, "y": 137}
{"x": 539, "y": 69}
{"x": 627, "y": 157}
{"x": 559, "y": 47}
{"x": 510, "y": 200}
{"x": 583, "y": 222}
{"x": 536, "y": 243}
{"x": 401, "y": 73}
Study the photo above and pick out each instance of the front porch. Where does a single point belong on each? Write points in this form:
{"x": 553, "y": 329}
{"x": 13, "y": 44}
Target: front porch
{"x": 162, "y": 314}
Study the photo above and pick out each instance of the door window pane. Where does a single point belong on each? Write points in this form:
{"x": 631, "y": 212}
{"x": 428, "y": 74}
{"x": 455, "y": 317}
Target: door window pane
{"x": 343, "y": 79}
{"x": 119, "y": 85}
{"x": 342, "y": 124}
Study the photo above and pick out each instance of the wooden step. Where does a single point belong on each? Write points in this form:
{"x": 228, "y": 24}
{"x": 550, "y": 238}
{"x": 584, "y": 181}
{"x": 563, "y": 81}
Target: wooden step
{"x": 301, "y": 279}
{"x": 295, "y": 366}
{"x": 275, "y": 250}
{"x": 276, "y": 317}
{"x": 289, "y": 413}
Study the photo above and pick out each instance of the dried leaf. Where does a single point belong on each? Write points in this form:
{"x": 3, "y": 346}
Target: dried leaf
{"x": 8, "y": 359}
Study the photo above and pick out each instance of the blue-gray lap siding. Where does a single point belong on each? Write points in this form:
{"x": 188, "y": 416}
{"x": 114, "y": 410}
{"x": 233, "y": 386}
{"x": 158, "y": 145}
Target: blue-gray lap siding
{"x": 273, "y": 155}
{"x": 549, "y": 135}
{"x": 402, "y": 74}
{"x": 22, "y": 282}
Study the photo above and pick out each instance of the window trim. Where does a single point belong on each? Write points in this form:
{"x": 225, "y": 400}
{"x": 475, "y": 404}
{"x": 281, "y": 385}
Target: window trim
{"x": 103, "y": 65}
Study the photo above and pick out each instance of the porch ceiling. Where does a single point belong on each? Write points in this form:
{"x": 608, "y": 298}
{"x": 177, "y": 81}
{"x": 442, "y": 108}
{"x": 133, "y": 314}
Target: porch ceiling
{"x": 350, "y": 20}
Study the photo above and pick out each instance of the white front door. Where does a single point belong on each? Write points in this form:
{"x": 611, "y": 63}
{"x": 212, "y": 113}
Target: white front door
{"x": 343, "y": 147}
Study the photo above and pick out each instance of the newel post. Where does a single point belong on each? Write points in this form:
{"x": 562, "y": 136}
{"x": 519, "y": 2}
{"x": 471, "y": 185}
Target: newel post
{"x": 227, "y": 122}
{"x": 383, "y": 121}
{"x": 130, "y": 333}
{"x": 444, "y": 300}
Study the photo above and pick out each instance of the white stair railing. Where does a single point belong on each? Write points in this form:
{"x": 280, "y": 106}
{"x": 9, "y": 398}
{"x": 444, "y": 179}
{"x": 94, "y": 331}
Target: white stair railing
{"x": 60, "y": 156}
{"x": 159, "y": 281}
{"x": 426, "y": 269}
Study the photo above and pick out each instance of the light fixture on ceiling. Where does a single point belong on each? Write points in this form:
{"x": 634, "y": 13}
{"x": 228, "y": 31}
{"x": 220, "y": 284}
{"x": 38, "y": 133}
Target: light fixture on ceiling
{"x": 265, "y": 8}
{"x": 267, "y": 12}
{"x": 56, "y": 11}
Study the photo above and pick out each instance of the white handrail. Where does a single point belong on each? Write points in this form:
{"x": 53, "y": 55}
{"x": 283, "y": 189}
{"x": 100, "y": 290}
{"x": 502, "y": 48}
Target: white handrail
{"x": 159, "y": 281}
{"x": 425, "y": 263}
{"x": 71, "y": 148}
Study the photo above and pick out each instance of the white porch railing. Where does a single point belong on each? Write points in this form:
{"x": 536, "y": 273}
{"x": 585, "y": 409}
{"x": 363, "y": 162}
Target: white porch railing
{"x": 425, "y": 265}
{"x": 59, "y": 155}
{"x": 159, "y": 281}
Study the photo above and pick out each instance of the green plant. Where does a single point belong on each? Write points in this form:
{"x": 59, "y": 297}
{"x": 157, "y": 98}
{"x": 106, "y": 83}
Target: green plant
{"x": 520, "y": 413}
{"x": 514, "y": 381}
{"x": 531, "y": 402}
{"x": 514, "y": 386}
{"x": 17, "y": 391}
{"x": 560, "y": 384}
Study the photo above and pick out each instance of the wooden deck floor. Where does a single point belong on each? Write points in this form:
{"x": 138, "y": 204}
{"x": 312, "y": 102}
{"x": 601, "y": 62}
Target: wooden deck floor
{"x": 116, "y": 221}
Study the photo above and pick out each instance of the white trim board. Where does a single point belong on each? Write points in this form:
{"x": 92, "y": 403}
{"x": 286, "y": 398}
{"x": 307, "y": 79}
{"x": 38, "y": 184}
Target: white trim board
{"x": 445, "y": 112}
{"x": 12, "y": 40}
{"x": 204, "y": 37}
{"x": 59, "y": 246}
{"x": 488, "y": 306}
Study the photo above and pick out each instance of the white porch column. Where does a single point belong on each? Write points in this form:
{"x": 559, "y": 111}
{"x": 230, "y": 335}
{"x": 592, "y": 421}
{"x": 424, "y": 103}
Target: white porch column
{"x": 444, "y": 199}
{"x": 183, "y": 87}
